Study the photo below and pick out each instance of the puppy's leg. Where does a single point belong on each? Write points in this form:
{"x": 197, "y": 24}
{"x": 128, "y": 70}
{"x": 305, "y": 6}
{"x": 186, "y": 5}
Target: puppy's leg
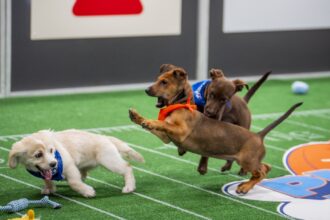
{"x": 110, "y": 158}
{"x": 49, "y": 188}
{"x": 257, "y": 176}
{"x": 227, "y": 166}
{"x": 202, "y": 167}
{"x": 75, "y": 182}
{"x": 138, "y": 119}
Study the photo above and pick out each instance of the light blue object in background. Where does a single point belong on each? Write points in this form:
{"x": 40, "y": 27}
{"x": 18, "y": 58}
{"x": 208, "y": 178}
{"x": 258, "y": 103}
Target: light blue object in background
{"x": 299, "y": 87}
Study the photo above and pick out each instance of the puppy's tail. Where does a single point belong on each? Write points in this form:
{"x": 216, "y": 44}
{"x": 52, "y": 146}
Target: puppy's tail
{"x": 126, "y": 151}
{"x": 255, "y": 87}
{"x": 278, "y": 121}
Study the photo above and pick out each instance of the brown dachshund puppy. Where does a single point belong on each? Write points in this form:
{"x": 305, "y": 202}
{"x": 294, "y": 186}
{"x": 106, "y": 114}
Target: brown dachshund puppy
{"x": 222, "y": 103}
{"x": 192, "y": 131}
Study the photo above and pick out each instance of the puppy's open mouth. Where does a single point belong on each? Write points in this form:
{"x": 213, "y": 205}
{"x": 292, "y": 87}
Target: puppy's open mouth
{"x": 47, "y": 174}
{"x": 161, "y": 102}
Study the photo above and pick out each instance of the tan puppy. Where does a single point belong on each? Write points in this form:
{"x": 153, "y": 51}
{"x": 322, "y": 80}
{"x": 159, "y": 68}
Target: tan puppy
{"x": 69, "y": 155}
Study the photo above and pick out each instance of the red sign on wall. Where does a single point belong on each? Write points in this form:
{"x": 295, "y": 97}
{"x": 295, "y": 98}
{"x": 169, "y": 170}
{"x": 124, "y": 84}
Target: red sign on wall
{"x": 106, "y": 7}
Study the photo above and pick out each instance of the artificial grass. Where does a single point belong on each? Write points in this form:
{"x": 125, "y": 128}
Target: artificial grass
{"x": 162, "y": 178}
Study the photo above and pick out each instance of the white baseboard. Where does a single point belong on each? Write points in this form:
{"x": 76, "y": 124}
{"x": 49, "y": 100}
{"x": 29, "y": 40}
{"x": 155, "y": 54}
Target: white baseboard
{"x": 140, "y": 86}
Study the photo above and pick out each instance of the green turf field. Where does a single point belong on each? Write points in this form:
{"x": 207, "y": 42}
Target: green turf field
{"x": 168, "y": 186}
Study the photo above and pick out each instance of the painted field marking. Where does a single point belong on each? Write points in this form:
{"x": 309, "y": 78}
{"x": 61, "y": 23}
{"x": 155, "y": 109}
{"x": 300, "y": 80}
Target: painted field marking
{"x": 207, "y": 191}
{"x": 308, "y": 126}
{"x": 281, "y": 135}
{"x": 313, "y": 112}
{"x": 152, "y": 199}
{"x": 59, "y": 195}
{"x": 64, "y": 197}
{"x": 326, "y": 160}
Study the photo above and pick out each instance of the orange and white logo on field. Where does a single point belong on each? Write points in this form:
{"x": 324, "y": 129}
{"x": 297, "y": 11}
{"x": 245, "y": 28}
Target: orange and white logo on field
{"x": 305, "y": 194}
{"x": 307, "y": 157}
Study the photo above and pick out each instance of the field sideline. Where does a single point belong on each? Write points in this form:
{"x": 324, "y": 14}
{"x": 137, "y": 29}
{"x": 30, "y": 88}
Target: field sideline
{"x": 168, "y": 186}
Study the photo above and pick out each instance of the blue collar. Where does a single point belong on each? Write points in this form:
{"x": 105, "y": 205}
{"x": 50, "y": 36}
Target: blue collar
{"x": 56, "y": 172}
{"x": 199, "y": 90}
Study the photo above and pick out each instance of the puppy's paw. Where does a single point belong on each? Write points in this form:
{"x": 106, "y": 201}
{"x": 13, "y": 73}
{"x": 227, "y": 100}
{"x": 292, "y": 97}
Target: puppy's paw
{"x": 135, "y": 116}
{"x": 202, "y": 170}
{"x": 45, "y": 191}
{"x": 128, "y": 189}
{"x": 243, "y": 188}
{"x": 181, "y": 151}
{"x": 88, "y": 192}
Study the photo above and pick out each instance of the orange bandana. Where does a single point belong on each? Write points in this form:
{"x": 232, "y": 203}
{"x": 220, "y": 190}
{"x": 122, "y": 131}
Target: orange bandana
{"x": 164, "y": 112}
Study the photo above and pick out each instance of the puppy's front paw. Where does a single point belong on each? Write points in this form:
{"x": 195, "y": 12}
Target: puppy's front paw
{"x": 48, "y": 191}
{"x": 45, "y": 191}
{"x": 135, "y": 116}
{"x": 88, "y": 192}
{"x": 128, "y": 189}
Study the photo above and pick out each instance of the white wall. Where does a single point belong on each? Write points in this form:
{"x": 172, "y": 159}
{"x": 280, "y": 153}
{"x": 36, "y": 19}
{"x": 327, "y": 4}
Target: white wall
{"x": 275, "y": 15}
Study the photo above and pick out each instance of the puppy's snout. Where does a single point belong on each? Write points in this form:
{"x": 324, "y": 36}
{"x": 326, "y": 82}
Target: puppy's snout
{"x": 150, "y": 91}
{"x": 53, "y": 164}
{"x": 208, "y": 113}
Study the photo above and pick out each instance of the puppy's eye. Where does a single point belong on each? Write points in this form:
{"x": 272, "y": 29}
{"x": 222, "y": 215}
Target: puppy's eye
{"x": 163, "y": 82}
{"x": 38, "y": 155}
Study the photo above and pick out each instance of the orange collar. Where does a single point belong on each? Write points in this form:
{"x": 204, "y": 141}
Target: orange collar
{"x": 164, "y": 112}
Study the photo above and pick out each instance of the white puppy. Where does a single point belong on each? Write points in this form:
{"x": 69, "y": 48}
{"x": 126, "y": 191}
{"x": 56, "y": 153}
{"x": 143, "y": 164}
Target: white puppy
{"x": 70, "y": 154}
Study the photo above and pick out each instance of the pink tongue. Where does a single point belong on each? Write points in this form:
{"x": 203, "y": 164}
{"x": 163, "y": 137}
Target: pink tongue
{"x": 48, "y": 174}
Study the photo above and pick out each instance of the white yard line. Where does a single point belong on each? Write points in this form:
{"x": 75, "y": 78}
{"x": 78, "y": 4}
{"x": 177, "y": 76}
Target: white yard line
{"x": 64, "y": 197}
{"x": 152, "y": 199}
{"x": 281, "y": 135}
{"x": 308, "y": 126}
{"x": 206, "y": 191}
{"x": 314, "y": 112}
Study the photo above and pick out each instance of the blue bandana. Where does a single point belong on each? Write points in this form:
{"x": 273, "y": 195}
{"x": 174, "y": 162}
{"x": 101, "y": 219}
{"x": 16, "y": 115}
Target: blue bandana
{"x": 199, "y": 89}
{"x": 56, "y": 172}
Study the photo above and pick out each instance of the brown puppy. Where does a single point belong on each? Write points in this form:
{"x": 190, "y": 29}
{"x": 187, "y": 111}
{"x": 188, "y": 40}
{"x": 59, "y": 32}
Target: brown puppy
{"x": 190, "y": 130}
{"x": 223, "y": 104}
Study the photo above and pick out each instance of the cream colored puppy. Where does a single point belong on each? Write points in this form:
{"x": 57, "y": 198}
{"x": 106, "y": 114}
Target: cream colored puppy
{"x": 68, "y": 155}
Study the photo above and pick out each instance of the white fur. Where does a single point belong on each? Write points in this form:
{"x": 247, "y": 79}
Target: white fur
{"x": 80, "y": 152}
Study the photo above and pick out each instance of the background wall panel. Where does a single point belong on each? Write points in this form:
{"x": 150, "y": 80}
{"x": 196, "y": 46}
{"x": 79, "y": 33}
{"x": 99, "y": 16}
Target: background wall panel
{"x": 50, "y": 64}
{"x": 255, "y": 52}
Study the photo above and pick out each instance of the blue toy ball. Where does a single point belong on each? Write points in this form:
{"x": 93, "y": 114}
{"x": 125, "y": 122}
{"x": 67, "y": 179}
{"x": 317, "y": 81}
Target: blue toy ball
{"x": 299, "y": 87}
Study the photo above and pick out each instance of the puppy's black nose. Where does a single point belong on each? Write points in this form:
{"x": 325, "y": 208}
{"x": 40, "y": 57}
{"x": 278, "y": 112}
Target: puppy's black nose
{"x": 147, "y": 91}
{"x": 52, "y": 164}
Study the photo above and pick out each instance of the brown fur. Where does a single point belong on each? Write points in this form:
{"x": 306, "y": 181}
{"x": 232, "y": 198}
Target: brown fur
{"x": 194, "y": 132}
{"x": 218, "y": 94}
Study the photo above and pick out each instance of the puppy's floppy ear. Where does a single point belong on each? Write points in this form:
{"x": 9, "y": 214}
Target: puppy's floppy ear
{"x": 15, "y": 153}
{"x": 166, "y": 67}
{"x": 180, "y": 73}
{"x": 239, "y": 84}
{"x": 216, "y": 73}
